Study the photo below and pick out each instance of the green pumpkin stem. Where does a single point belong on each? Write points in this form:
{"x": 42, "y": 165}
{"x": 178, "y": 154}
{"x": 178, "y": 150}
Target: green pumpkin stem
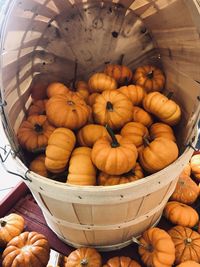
{"x": 114, "y": 143}
{"x": 3, "y": 223}
{"x": 150, "y": 74}
{"x": 109, "y": 106}
{"x": 38, "y": 128}
{"x": 84, "y": 262}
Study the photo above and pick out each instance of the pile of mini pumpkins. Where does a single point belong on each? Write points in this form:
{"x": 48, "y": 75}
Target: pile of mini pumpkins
{"x": 114, "y": 129}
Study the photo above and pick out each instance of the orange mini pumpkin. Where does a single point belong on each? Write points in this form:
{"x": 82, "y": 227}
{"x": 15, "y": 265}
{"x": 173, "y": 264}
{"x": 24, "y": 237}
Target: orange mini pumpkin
{"x": 160, "y": 129}
{"x": 181, "y": 214}
{"x": 38, "y": 166}
{"x": 115, "y": 155}
{"x": 92, "y": 98}
{"x": 186, "y": 191}
{"x": 90, "y": 133}
{"x": 33, "y": 133}
{"x": 60, "y": 145}
{"x": 38, "y": 107}
{"x": 150, "y": 77}
{"x": 195, "y": 166}
{"x": 56, "y": 88}
{"x": 156, "y": 248}
{"x": 142, "y": 116}
{"x": 165, "y": 109}
{"x": 81, "y": 170}
{"x": 158, "y": 154}
{"x": 87, "y": 257}
{"x": 100, "y": 82}
{"x": 69, "y": 111}
{"x": 136, "y": 132}
{"x": 133, "y": 175}
{"x": 112, "y": 108}
{"x": 188, "y": 264}
{"x": 121, "y": 73}
{"x": 187, "y": 243}
{"x": 121, "y": 262}
{"x": 10, "y": 226}
{"x": 82, "y": 89}
{"x": 134, "y": 92}
{"x": 27, "y": 249}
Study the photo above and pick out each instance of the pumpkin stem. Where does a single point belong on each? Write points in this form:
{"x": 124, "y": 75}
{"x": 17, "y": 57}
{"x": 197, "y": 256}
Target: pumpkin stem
{"x": 38, "y": 128}
{"x": 109, "y": 106}
{"x": 188, "y": 241}
{"x": 75, "y": 76}
{"x": 146, "y": 141}
{"x": 121, "y": 59}
{"x": 150, "y": 74}
{"x": 112, "y": 135}
{"x": 147, "y": 247}
{"x": 3, "y": 223}
{"x": 170, "y": 94}
{"x": 84, "y": 262}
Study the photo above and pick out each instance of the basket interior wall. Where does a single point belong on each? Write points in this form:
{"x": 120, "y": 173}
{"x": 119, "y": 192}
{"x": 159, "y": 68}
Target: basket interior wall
{"x": 42, "y": 40}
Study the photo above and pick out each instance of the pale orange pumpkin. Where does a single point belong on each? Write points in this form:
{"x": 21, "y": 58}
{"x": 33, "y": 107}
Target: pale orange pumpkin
{"x": 121, "y": 73}
{"x": 56, "y": 88}
{"x": 115, "y": 155}
{"x": 68, "y": 110}
{"x": 160, "y": 129}
{"x": 100, "y": 82}
{"x": 60, "y": 145}
{"x": 158, "y": 154}
{"x": 165, "y": 109}
{"x": 112, "y": 108}
{"x": 136, "y": 132}
{"x": 156, "y": 248}
{"x": 142, "y": 116}
{"x": 187, "y": 243}
{"x": 81, "y": 170}
{"x": 90, "y": 133}
{"x": 150, "y": 77}
{"x": 188, "y": 264}
{"x": 135, "y": 93}
{"x": 181, "y": 214}
{"x": 195, "y": 166}
{"x": 133, "y": 175}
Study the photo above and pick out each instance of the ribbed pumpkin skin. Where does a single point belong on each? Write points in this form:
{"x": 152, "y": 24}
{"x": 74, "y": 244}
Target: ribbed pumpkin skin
{"x": 82, "y": 89}
{"x": 187, "y": 243}
{"x": 60, "y": 145}
{"x": 69, "y": 111}
{"x": 114, "y": 160}
{"x": 142, "y": 116}
{"x": 135, "y": 131}
{"x": 158, "y": 249}
{"x": 150, "y": 77}
{"x": 38, "y": 166}
{"x": 34, "y": 132}
{"x": 81, "y": 169}
{"x": 163, "y": 108}
{"x": 158, "y": 154}
{"x": 100, "y": 82}
{"x": 134, "y": 92}
{"x": 108, "y": 180}
{"x": 27, "y": 249}
{"x": 92, "y": 98}
{"x": 121, "y": 262}
{"x": 181, "y": 214}
{"x": 188, "y": 264}
{"x": 112, "y": 108}
{"x": 56, "y": 88}
{"x": 89, "y": 256}
{"x": 162, "y": 130}
{"x": 122, "y": 74}
{"x": 195, "y": 166}
{"x": 10, "y": 226}
{"x": 186, "y": 191}
{"x": 38, "y": 107}
{"x": 90, "y": 133}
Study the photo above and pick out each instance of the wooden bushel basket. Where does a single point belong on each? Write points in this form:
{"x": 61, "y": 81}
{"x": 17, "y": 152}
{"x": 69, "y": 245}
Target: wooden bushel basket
{"x": 40, "y": 43}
